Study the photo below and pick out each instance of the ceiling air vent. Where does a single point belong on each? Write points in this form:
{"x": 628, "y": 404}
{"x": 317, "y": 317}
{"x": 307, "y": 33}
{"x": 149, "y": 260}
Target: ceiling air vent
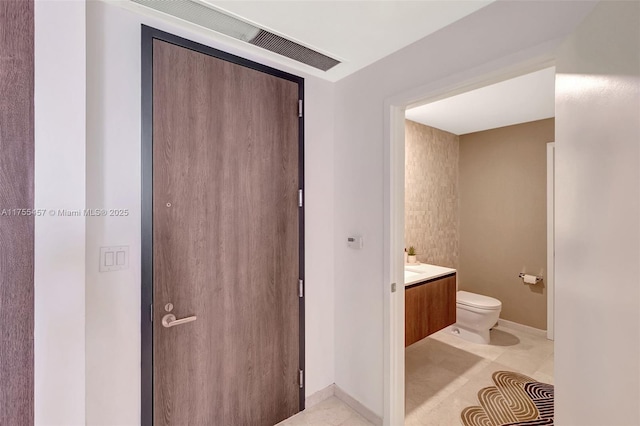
{"x": 293, "y": 50}
{"x": 212, "y": 19}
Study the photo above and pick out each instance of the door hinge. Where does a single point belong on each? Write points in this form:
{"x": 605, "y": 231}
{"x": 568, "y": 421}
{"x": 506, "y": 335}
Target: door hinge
{"x": 299, "y": 107}
{"x": 300, "y": 288}
{"x": 393, "y": 287}
{"x": 151, "y": 311}
{"x": 299, "y": 197}
{"x": 301, "y": 379}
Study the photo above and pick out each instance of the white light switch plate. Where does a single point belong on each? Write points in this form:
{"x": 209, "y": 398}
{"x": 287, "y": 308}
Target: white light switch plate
{"x": 114, "y": 258}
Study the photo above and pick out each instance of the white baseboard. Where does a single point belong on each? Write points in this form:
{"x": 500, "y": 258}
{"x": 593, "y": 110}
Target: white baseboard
{"x": 521, "y": 327}
{"x": 317, "y": 397}
{"x": 357, "y": 406}
{"x": 333, "y": 390}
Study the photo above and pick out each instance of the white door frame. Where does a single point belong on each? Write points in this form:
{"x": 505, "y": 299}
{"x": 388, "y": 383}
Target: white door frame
{"x": 551, "y": 155}
{"x": 523, "y": 62}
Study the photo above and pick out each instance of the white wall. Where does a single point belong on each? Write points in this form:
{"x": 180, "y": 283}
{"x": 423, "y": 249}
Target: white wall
{"x": 113, "y": 181}
{"x": 597, "y": 215}
{"x": 484, "y": 39}
{"x": 59, "y": 184}
{"x": 319, "y": 224}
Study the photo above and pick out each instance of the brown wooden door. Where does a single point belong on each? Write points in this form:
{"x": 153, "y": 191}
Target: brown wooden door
{"x": 225, "y": 241}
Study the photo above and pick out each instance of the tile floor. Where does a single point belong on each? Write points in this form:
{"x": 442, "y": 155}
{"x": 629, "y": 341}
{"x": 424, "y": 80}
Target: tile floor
{"x": 444, "y": 373}
{"x": 330, "y": 412}
{"x": 443, "y": 376}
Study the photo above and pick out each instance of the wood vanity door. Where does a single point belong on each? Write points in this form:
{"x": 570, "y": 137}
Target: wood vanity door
{"x": 429, "y": 307}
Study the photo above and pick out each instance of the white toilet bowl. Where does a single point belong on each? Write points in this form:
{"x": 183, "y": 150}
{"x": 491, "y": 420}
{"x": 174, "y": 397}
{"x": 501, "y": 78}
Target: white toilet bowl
{"x": 475, "y": 315}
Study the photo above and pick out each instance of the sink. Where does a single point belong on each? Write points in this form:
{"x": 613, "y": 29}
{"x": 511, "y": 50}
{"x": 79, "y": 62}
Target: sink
{"x": 423, "y": 272}
{"x": 410, "y": 274}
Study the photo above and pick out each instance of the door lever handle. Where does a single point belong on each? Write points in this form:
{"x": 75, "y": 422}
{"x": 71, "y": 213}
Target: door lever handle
{"x": 169, "y": 320}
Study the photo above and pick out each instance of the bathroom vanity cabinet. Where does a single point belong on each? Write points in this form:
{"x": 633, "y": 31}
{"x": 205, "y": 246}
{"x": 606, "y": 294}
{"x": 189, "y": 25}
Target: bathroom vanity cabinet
{"x": 429, "y": 306}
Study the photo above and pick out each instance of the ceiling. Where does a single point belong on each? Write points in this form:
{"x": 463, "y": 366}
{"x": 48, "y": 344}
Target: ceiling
{"x": 526, "y": 98}
{"x": 357, "y": 33}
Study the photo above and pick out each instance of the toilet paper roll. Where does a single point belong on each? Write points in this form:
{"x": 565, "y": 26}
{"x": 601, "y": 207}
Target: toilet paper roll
{"x": 529, "y": 279}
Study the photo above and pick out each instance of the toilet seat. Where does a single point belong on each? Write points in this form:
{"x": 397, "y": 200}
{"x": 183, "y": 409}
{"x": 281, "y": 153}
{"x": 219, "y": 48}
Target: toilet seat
{"x": 477, "y": 301}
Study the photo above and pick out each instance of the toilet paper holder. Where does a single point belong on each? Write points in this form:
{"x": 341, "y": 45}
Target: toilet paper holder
{"x": 538, "y": 278}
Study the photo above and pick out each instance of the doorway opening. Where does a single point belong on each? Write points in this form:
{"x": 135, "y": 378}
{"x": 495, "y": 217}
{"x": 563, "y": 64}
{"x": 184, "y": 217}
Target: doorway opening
{"x": 433, "y": 242}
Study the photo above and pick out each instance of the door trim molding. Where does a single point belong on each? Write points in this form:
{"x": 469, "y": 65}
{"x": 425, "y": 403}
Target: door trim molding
{"x": 551, "y": 246}
{"x": 148, "y": 35}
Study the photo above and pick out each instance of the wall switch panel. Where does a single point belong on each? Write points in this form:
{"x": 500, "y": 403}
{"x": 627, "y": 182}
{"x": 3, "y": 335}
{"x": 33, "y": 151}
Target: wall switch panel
{"x": 114, "y": 258}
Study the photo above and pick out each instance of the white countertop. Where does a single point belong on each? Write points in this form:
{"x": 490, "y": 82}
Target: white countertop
{"x": 423, "y": 272}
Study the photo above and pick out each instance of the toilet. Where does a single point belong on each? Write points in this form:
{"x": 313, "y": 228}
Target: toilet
{"x": 475, "y": 315}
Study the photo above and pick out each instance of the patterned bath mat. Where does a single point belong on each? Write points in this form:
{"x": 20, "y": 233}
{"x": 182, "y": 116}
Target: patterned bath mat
{"x": 514, "y": 400}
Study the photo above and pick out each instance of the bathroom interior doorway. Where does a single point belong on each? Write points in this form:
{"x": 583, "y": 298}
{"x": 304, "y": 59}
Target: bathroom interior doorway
{"x": 395, "y": 195}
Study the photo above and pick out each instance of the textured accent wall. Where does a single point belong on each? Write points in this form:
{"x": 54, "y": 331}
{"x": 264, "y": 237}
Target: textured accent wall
{"x": 503, "y": 219}
{"x": 431, "y": 193}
